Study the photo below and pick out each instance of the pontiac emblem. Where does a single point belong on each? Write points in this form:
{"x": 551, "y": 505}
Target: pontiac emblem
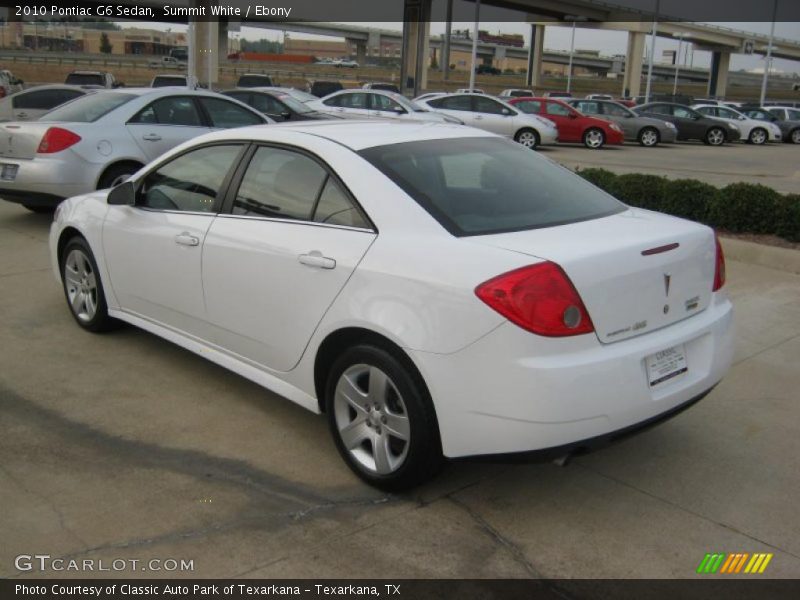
{"x": 667, "y": 280}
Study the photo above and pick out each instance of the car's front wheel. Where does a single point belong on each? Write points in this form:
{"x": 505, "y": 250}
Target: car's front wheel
{"x": 715, "y": 137}
{"x": 83, "y": 287}
{"x": 758, "y": 136}
{"x": 648, "y": 137}
{"x": 528, "y": 138}
{"x": 594, "y": 138}
{"x": 382, "y": 418}
{"x": 794, "y": 136}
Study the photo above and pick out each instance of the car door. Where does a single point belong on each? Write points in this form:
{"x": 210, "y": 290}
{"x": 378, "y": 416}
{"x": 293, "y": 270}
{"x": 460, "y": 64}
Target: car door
{"x": 153, "y": 250}
{"x": 351, "y": 105}
{"x": 566, "y": 121}
{"x": 287, "y": 242}
{"x": 458, "y": 106}
{"x": 165, "y": 123}
{"x": 268, "y": 105}
{"x": 492, "y": 116}
{"x": 693, "y": 124}
{"x": 384, "y": 107}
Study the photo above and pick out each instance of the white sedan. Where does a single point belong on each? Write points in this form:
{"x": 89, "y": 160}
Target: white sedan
{"x": 100, "y": 139}
{"x": 495, "y": 115}
{"x": 376, "y": 104}
{"x": 437, "y": 291}
{"x": 752, "y": 131}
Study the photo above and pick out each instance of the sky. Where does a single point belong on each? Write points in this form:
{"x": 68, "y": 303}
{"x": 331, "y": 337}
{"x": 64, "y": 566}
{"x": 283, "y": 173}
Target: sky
{"x": 558, "y": 38}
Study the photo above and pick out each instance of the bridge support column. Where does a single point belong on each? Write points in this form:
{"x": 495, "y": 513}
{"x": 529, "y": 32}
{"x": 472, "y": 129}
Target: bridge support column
{"x": 632, "y": 80}
{"x": 718, "y": 74}
{"x": 222, "y": 38}
{"x": 533, "y": 78}
{"x": 416, "y": 44}
{"x": 204, "y": 47}
{"x": 361, "y": 53}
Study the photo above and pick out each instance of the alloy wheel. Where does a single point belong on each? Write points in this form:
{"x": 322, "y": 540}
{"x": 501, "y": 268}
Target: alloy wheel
{"x": 527, "y": 139}
{"x": 716, "y": 137}
{"x": 371, "y": 419}
{"x": 649, "y": 137}
{"x": 758, "y": 136}
{"x": 81, "y": 285}
{"x": 594, "y": 138}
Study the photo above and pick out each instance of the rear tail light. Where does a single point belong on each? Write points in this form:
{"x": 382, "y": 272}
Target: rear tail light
{"x": 57, "y": 139}
{"x": 2, "y": 92}
{"x": 719, "y": 267}
{"x": 539, "y": 298}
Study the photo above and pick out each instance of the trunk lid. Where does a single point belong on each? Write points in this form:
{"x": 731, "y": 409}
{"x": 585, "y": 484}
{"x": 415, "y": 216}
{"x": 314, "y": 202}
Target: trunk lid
{"x": 19, "y": 140}
{"x": 637, "y": 271}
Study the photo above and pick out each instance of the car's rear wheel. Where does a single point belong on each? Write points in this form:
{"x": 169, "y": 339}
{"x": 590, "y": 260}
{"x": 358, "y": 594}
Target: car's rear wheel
{"x": 528, "y": 138}
{"x": 758, "y": 136}
{"x": 649, "y": 137}
{"x": 382, "y": 418}
{"x": 715, "y": 137}
{"x": 83, "y": 287}
{"x": 794, "y": 136}
{"x": 594, "y": 138}
{"x": 117, "y": 174}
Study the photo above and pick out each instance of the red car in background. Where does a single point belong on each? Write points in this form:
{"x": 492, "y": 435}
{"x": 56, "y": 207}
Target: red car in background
{"x": 573, "y": 125}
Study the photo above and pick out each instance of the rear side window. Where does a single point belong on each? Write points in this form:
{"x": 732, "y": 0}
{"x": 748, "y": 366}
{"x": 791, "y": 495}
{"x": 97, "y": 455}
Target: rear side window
{"x": 588, "y": 108}
{"x": 335, "y": 208}
{"x": 89, "y": 108}
{"x": 453, "y": 103}
{"x": 554, "y": 108}
{"x": 480, "y": 186}
{"x": 532, "y": 107}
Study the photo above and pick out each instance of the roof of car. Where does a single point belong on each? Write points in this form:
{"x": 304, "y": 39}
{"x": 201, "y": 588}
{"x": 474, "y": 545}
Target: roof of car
{"x": 358, "y": 135}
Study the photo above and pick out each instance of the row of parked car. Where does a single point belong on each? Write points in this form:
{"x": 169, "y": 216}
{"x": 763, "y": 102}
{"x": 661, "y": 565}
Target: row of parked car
{"x": 62, "y": 140}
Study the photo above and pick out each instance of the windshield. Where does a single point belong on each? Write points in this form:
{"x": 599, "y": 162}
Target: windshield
{"x": 409, "y": 105}
{"x": 480, "y": 186}
{"x": 88, "y": 108}
{"x": 294, "y": 104}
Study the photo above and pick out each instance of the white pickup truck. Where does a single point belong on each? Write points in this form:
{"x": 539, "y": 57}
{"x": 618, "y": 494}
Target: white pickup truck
{"x": 167, "y": 62}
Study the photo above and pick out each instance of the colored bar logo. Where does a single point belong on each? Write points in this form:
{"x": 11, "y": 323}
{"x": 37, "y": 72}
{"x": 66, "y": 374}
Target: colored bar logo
{"x": 734, "y": 563}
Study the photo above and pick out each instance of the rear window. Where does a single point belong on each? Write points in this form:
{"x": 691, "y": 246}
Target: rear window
{"x": 85, "y": 79}
{"x": 480, "y": 186}
{"x": 89, "y": 108}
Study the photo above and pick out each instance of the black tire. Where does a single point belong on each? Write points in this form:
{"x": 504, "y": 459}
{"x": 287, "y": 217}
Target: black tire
{"x": 715, "y": 136}
{"x": 41, "y": 210}
{"x": 794, "y": 136}
{"x": 649, "y": 137}
{"x": 421, "y": 455}
{"x": 116, "y": 174}
{"x": 594, "y": 138}
{"x": 99, "y": 321}
{"x": 758, "y": 136}
{"x": 528, "y": 137}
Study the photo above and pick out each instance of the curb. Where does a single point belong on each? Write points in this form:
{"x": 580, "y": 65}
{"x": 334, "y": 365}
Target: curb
{"x": 783, "y": 259}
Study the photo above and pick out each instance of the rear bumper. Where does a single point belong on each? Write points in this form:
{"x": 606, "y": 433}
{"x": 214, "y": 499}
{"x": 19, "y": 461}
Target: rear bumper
{"x": 513, "y": 391}
{"x": 47, "y": 181}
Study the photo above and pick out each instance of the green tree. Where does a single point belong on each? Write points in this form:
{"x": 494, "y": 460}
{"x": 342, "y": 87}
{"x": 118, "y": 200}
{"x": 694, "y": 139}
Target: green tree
{"x": 105, "y": 44}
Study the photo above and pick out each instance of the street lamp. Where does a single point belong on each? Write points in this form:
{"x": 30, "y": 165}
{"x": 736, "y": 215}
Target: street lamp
{"x": 574, "y": 19}
{"x": 680, "y": 36}
{"x": 652, "y": 52}
{"x": 474, "y": 45}
{"x": 768, "y": 57}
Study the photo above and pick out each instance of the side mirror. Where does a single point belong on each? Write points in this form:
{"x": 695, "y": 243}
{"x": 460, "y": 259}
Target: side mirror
{"x": 506, "y": 112}
{"x": 123, "y": 194}
{"x": 286, "y": 115}
{"x": 399, "y": 110}
{"x": 572, "y": 115}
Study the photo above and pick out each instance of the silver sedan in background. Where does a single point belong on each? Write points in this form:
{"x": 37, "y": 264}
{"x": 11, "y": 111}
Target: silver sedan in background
{"x": 645, "y": 130}
{"x": 102, "y": 138}
{"x": 376, "y": 104}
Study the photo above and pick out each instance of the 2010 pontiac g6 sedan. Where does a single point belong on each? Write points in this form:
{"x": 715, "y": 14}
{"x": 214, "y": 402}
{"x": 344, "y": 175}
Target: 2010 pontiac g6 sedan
{"x": 435, "y": 290}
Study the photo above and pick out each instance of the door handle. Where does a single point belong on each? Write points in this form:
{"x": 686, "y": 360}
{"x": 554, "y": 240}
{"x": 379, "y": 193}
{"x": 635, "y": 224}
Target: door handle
{"x": 315, "y": 259}
{"x": 151, "y": 137}
{"x": 22, "y": 115}
{"x": 187, "y": 239}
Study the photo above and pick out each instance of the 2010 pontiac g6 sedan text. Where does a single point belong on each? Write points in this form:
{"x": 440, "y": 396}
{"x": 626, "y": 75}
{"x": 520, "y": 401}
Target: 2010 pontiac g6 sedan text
{"x": 436, "y": 290}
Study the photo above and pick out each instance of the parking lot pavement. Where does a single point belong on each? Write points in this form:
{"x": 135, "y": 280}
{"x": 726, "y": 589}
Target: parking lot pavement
{"x": 774, "y": 165}
{"x": 123, "y": 446}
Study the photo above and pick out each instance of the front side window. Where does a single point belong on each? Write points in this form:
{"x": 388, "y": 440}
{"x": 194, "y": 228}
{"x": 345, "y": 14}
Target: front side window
{"x": 384, "y": 103}
{"x": 489, "y": 106}
{"x": 453, "y": 103}
{"x": 481, "y": 186}
{"x": 559, "y": 110}
{"x": 226, "y": 115}
{"x": 684, "y": 113}
{"x": 659, "y": 109}
{"x": 175, "y": 110}
{"x": 532, "y": 107}
{"x": 191, "y": 182}
{"x": 281, "y": 184}
{"x": 615, "y": 110}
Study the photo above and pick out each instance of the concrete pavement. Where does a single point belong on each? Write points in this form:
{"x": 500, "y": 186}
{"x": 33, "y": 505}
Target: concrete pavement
{"x": 123, "y": 446}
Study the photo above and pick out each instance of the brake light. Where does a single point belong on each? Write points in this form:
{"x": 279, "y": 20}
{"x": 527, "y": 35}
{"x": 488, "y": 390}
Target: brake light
{"x": 539, "y": 298}
{"x": 57, "y": 139}
{"x": 719, "y": 267}
{"x": 2, "y": 92}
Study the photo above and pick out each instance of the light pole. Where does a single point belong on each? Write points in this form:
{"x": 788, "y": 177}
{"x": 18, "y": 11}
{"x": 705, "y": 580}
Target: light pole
{"x": 677, "y": 65}
{"x": 652, "y": 52}
{"x": 571, "y": 54}
{"x": 768, "y": 57}
{"x": 474, "y": 45}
